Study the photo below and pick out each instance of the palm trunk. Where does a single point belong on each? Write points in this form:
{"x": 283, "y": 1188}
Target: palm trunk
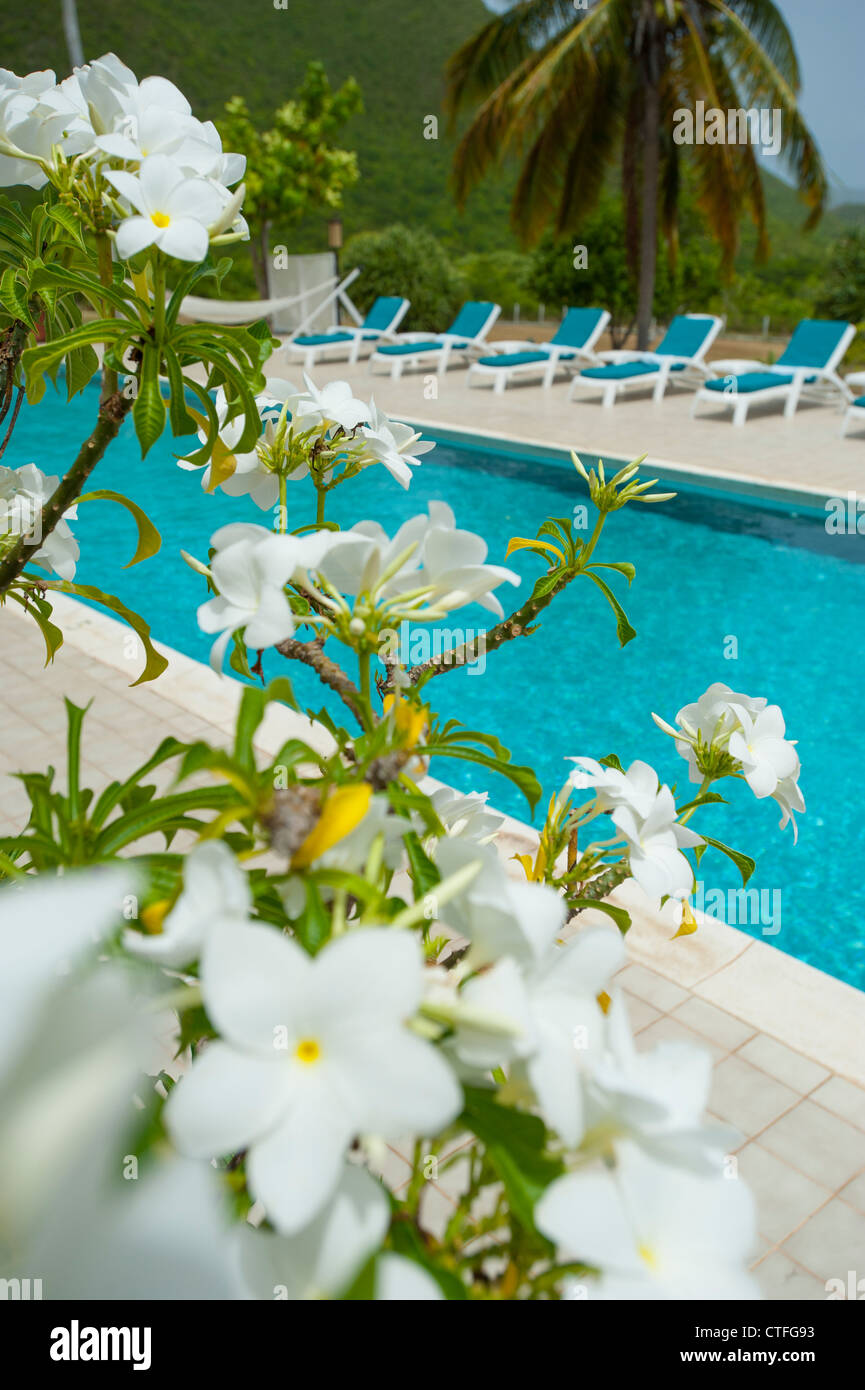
{"x": 73, "y": 33}
{"x": 649, "y": 219}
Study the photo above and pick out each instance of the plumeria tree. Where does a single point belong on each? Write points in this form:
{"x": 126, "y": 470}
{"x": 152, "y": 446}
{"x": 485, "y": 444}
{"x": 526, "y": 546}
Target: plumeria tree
{"x": 328, "y": 953}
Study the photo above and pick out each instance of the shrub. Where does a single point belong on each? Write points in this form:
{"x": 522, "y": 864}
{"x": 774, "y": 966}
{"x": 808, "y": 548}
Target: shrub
{"x": 411, "y": 262}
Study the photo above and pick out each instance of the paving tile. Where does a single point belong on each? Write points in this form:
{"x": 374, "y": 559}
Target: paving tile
{"x": 669, "y": 1029}
{"x": 653, "y": 988}
{"x": 785, "y": 1198}
{"x": 831, "y": 1243}
{"x": 842, "y": 1098}
{"x": 746, "y": 1097}
{"x": 854, "y": 1192}
{"x": 720, "y": 1027}
{"x": 771, "y": 1056}
{"x": 819, "y": 1144}
{"x": 781, "y": 1280}
{"x": 640, "y": 1013}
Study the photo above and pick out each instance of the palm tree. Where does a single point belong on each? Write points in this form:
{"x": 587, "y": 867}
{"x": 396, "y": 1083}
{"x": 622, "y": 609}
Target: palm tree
{"x": 570, "y": 90}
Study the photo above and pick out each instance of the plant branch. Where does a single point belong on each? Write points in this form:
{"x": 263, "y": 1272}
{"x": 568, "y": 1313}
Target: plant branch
{"x": 517, "y": 625}
{"x": 112, "y": 413}
{"x": 328, "y": 672}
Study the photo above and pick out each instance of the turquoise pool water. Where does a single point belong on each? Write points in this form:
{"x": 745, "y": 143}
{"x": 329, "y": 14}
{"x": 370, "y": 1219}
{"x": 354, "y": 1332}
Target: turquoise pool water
{"x": 708, "y": 568}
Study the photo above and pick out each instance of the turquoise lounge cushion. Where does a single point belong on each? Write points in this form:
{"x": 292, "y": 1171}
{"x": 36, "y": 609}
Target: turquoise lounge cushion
{"x": 383, "y": 312}
{"x": 751, "y": 381}
{"x": 576, "y": 328}
{"x": 322, "y": 339}
{"x": 860, "y": 402}
{"x": 472, "y": 318}
{"x": 813, "y": 343}
{"x": 521, "y": 359}
{"x": 402, "y": 349}
{"x": 620, "y": 371}
{"x": 685, "y": 336}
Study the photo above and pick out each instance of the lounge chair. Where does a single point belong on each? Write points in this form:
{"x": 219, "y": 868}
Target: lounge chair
{"x": 855, "y": 415}
{"x": 681, "y": 350}
{"x": 466, "y": 335}
{"x": 570, "y": 346}
{"x": 807, "y": 365}
{"x": 382, "y": 321}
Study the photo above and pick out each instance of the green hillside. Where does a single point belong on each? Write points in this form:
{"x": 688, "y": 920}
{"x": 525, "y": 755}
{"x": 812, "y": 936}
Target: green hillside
{"x": 215, "y": 49}
{"x": 397, "y": 50}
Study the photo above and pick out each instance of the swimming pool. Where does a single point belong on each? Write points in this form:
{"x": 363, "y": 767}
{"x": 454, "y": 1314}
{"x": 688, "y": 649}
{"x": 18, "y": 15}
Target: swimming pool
{"x": 708, "y": 568}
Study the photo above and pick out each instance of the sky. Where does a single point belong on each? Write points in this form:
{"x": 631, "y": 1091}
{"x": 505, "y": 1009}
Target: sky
{"x": 830, "y": 40}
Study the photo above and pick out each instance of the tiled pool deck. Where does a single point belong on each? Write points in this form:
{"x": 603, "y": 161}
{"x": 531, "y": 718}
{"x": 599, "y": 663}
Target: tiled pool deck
{"x": 801, "y": 457}
{"x": 787, "y": 1041}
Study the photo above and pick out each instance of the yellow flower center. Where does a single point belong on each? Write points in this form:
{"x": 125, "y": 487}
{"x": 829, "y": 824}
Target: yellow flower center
{"x": 160, "y": 219}
{"x": 647, "y": 1254}
{"x": 307, "y": 1051}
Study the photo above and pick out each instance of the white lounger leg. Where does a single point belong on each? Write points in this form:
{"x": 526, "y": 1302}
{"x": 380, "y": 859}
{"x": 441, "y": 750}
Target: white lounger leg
{"x": 444, "y": 357}
{"x": 740, "y": 410}
{"x": 792, "y": 398}
{"x": 396, "y": 369}
{"x": 609, "y": 398}
{"x": 500, "y": 381}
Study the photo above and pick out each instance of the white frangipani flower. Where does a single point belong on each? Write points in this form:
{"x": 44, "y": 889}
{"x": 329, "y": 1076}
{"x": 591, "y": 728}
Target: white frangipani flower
{"x": 656, "y": 1098}
{"x": 172, "y": 211}
{"x": 312, "y": 1053}
{"x": 250, "y": 570}
{"x": 48, "y": 925}
{"x": 23, "y": 494}
{"x": 655, "y": 843}
{"x": 655, "y": 1231}
{"x": 332, "y": 405}
{"x": 322, "y": 1259}
{"x": 467, "y": 817}
{"x": 393, "y": 444}
{"x": 636, "y": 788}
{"x": 789, "y": 797}
{"x": 400, "y": 1280}
{"x": 712, "y": 718}
{"x": 215, "y": 892}
{"x": 767, "y": 758}
{"x": 250, "y": 477}
{"x": 435, "y": 556}
{"x": 499, "y": 915}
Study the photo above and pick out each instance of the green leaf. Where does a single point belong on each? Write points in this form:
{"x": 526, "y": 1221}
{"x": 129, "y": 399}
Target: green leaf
{"x": 744, "y": 863}
{"x": 42, "y": 357}
{"x": 148, "y": 412}
{"x": 181, "y": 420}
{"x": 423, "y": 871}
{"x": 253, "y": 705}
{"x": 117, "y": 792}
{"x": 154, "y": 662}
{"x": 704, "y": 800}
{"x": 66, "y": 218}
{"x": 611, "y": 761}
{"x": 161, "y": 813}
{"x": 314, "y": 925}
{"x": 623, "y": 627}
{"x": 622, "y": 566}
{"x": 75, "y": 718}
{"x": 516, "y": 1146}
{"x": 149, "y": 539}
{"x": 522, "y": 777}
{"x": 82, "y": 364}
{"x": 13, "y": 297}
{"x": 621, "y": 918}
{"x": 40, "y": 611}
